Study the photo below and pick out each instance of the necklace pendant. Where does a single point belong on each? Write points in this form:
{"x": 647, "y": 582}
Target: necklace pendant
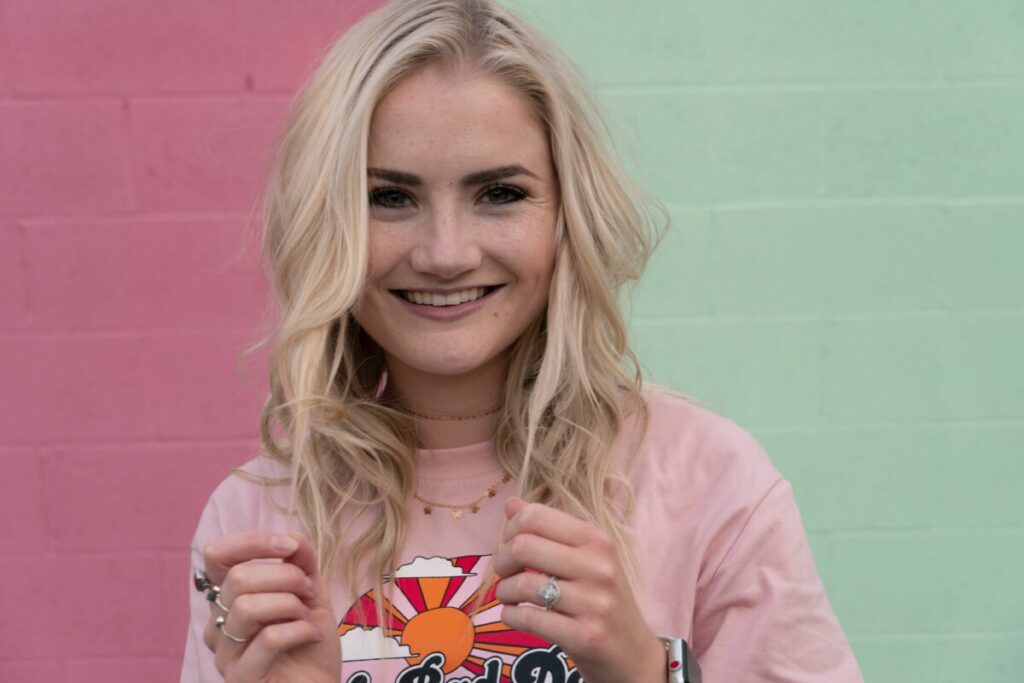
{"x": 427, "y": 509}
{"x": 475, "y": 508}
{"x": 457, "y": 514}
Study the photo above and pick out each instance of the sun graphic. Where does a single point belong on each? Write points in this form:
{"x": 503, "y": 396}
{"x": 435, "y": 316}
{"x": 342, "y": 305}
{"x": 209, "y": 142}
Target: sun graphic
{"x": 432, "y": 611}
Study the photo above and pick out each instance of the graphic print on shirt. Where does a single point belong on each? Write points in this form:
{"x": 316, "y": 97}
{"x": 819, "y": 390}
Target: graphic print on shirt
{"x": 431, "y": 635}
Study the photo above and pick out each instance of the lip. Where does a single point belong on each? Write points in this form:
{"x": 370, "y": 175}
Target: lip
{"x": 445, "y": 313}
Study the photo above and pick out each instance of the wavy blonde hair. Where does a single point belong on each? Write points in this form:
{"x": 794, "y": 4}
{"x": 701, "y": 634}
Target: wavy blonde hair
{"x": 572, "y": 378}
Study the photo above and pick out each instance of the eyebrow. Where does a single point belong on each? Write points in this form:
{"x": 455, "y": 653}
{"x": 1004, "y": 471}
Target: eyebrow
{"x": 477, "y": 178}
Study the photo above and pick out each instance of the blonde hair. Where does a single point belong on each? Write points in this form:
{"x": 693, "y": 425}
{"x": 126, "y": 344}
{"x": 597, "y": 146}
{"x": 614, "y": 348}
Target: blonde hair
{"x": 572, "y": 378}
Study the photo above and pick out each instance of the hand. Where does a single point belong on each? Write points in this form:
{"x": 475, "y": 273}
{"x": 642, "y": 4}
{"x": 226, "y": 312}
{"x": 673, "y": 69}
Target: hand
{"x": 282, "y": 609}
{"x": 596, "y": 622}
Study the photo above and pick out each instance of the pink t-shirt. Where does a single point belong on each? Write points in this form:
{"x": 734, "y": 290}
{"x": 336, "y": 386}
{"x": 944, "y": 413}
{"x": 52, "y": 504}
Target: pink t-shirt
{"x": 723, "y": 559}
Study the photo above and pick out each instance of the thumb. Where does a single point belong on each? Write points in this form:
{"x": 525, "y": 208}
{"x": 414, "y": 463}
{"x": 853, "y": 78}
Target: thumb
{"x": 513, "y": 504}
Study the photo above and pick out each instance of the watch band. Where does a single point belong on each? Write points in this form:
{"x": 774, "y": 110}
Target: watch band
{"x": 682, "y": 665}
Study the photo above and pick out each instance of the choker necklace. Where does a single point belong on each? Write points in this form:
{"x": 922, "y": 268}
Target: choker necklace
{"x": 451, "y": 418}
{"x": 473, "y": 505}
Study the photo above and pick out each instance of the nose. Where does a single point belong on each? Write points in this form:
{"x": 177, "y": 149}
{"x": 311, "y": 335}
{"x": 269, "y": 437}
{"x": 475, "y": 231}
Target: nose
{"x": 447, "y": 247}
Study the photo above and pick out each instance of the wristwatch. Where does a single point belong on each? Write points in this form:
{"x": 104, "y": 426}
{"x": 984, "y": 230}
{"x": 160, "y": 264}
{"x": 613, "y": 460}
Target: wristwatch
{"x": 682, "y": 665}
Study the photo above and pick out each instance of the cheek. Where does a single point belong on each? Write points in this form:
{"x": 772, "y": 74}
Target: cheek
{"x": 542, "y": 260}
{"x": 384, "y": 256}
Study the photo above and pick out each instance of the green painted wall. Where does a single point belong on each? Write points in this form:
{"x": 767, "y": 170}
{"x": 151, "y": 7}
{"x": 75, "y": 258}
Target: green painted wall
{"x": 844, "y": 279}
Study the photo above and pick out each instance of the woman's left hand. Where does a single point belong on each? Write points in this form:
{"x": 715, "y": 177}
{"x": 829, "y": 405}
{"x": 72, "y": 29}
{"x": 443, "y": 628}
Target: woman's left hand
{"x": 596, "y": 622}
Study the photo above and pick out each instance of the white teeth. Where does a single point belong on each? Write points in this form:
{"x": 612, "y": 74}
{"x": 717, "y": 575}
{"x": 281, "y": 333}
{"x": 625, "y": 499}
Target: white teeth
{"x": 453, "y": 299}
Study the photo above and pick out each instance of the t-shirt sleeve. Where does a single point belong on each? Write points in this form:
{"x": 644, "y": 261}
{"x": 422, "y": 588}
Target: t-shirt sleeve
{"x": 197, "y": 664}
{"x": 763, "y": 616}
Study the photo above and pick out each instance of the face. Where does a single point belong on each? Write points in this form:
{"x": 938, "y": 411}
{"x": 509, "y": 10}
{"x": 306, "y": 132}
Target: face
{"x": 463, "y": 206}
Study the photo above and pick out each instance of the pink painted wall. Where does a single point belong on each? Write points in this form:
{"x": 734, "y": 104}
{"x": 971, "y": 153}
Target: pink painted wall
{"x": 133, "y": 138}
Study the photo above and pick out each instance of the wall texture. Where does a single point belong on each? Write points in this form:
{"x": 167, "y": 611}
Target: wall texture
{"x": 843, "y": 278}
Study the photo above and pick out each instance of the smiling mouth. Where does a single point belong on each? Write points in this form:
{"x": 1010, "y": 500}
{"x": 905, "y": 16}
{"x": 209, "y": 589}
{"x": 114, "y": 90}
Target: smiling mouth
{"x": 444, "y": 300}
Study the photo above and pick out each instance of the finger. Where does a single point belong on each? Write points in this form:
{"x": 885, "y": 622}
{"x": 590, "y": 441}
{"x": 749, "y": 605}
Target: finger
{"x": 548, "y": 522}
{"x": 573, "y": 635}
{"x": 513, "y": 504}
{"x": 224, "y": 552}
{"x": 270, "y": 644}
{"x": 304, "y": 558}
{"x": 250, "y": 614}
{"x": 528, "y": 551}
{"x": 525, "y": 588}
{"x": 266, "y": 578}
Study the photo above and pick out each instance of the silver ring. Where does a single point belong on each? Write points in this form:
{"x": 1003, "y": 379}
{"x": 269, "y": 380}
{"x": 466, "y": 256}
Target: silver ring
{"x": 213, "y": 595}
{"x": 201, "y": 581}
{"x": 549, "y": 593}
{"x": 219, "y": 623}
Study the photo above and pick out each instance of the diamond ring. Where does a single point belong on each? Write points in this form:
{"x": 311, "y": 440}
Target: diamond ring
{"x": 549, "y": 593}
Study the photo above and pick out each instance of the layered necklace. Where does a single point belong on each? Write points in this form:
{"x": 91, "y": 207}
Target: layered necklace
{"x": 456, "y": 509}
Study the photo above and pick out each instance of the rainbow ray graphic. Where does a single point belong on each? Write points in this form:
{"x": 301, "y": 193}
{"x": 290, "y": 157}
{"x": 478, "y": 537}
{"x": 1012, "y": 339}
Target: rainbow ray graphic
{"x": 431, "y": 609}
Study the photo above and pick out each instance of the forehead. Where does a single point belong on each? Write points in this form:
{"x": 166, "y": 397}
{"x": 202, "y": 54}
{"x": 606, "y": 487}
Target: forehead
{"x": 442, "y": 116}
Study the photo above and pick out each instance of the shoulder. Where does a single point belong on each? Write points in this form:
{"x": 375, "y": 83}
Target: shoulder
{"x": 681, "y": 433}
{"x": 250, "y": 497}
{"x": 696, "y": 459}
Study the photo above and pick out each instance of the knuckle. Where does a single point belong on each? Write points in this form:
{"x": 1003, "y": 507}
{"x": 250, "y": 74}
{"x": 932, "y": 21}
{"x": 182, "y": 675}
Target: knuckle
{"x": 504, "y": 590}
{"x": 526, "y": 620}
{"x": 603, "y": 606}
{"x": 272, "y": 637}
{"x": 519, "y": 547}
{"x": 243, "y": 606}
{"x": 603, "y": 543}
{"x": 529, "y": 513}
{"x": 293, "y": 605}
{"x": 295, "y": 575}
{"x": 593, "y": 637}
{"x": 239, "y": 578}
{"x": 515, "y": 588}
{"x": 209, "y": 552}
{"x": 605, "y": 573}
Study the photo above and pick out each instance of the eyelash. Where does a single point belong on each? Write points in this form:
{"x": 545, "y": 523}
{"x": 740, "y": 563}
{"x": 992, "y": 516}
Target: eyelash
{"x": 515, "y": 193}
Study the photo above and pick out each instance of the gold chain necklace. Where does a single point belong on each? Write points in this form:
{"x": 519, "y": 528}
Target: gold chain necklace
{"x": 473, "y": 505}
{"x": 452, "y": 417}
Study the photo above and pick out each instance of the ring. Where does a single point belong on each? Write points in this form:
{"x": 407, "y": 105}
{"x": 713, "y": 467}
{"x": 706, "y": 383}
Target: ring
{"x": 213, "y": 595}
{"x": 219, "y": 623}
{"x": 549, "y": 593}
{"x": 201, "y": 581}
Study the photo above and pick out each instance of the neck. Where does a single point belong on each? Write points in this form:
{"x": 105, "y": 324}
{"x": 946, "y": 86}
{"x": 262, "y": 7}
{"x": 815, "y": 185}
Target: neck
{"x": 450, "y": 396}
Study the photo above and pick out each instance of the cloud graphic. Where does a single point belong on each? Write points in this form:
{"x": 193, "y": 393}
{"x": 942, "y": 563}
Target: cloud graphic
{"x": 428, "y": 567}
{"x": 361, "y": 643}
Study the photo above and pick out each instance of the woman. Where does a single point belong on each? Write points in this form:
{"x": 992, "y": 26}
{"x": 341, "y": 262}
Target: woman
{"x": 448, "y": 234}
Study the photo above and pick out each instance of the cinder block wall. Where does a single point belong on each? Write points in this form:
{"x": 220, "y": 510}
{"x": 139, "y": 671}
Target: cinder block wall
{"x": 134, "y": 135}
{"x": 843, "y": 278}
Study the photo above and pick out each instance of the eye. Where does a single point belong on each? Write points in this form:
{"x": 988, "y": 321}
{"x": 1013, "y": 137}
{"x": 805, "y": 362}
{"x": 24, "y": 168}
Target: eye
{"x": 504, "y": 194}
{"x": 388, "y": 198}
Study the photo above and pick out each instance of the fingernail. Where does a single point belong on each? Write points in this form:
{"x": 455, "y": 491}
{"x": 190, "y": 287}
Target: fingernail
{"x": 310, "y": 588}
{"x": 284, "y": 544}
{"x": 319, "y": 633}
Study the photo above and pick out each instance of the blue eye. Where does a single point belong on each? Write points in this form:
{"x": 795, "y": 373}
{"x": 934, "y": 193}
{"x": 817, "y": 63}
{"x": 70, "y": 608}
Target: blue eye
{"x": 504, "y": 194}
{"x": 388, "y": 198}
{"x": 395, "y": 198}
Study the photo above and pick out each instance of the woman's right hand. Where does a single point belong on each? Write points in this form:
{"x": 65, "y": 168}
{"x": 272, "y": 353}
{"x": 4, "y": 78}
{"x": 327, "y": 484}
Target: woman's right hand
{"x": 283, "y": 610}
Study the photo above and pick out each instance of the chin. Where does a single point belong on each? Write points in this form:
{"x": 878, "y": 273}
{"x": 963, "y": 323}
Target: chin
{"x": 448, "y": 362}
{"x": 451, "y": 367}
